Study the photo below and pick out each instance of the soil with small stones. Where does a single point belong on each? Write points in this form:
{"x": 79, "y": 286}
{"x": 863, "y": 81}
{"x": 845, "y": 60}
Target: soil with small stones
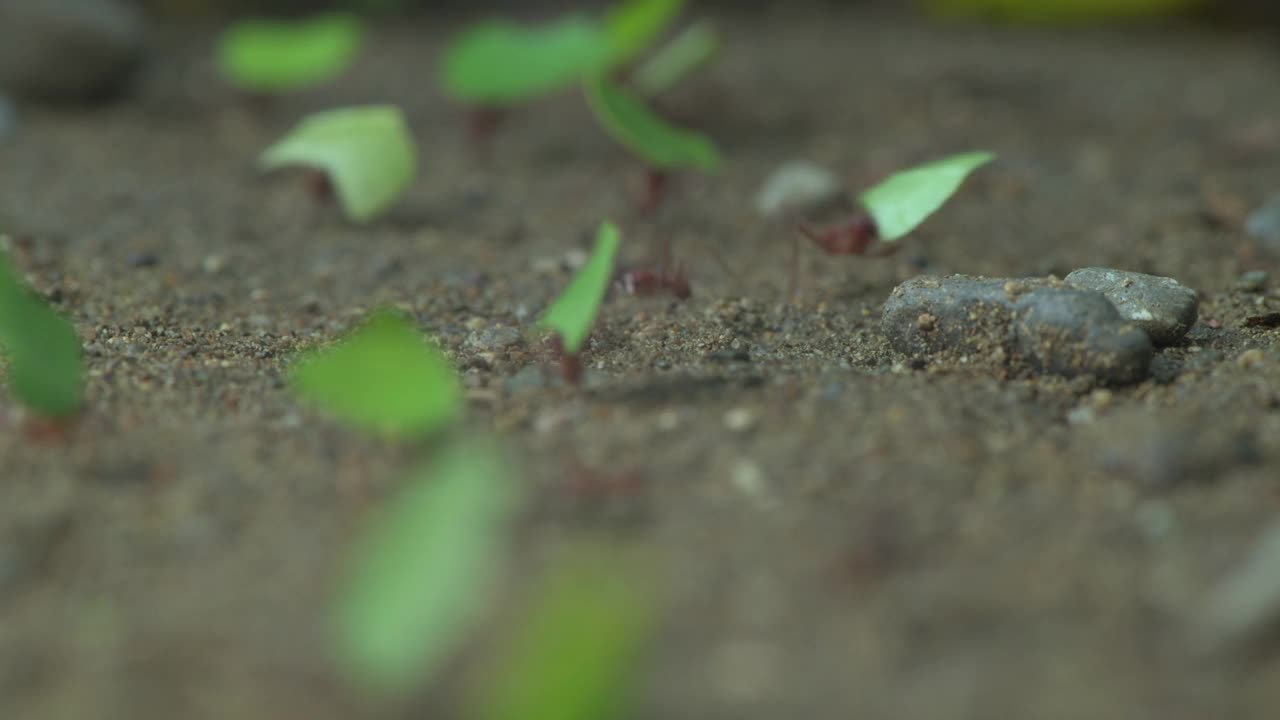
{"x": 843, "y": 533}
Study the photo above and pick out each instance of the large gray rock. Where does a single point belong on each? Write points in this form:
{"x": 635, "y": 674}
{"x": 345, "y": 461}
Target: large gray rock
{"x": 1015, "y": 326}
{"x": 68, "y": 50}
{"x": 1163, "y": 307}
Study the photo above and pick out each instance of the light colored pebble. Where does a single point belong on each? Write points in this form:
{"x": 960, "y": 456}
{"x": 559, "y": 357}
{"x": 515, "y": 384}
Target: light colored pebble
{"x": 796, "y": 188}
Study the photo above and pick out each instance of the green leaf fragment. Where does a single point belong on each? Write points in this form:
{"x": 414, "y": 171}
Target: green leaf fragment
{"x": 45, "y": 367}
{"x": 421, "y": 572}
{"x": 367, "y": 152}
{"x": 693, "y": 47}
{"x": 574, "y": 312}
{"x": 501, "y": 63}
{"x": 661, "y": 145}
{"x": 576, "y": 656}
{"x": 633, "y": 25}
{"x": 899, "y": 204}
{"x": 270, "y": 56}
{"x": 384, "y": 377}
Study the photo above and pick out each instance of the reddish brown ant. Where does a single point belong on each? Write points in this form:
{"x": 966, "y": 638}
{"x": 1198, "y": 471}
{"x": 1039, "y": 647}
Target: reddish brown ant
{"x": 650, "y": 283}
{"x": 570, "y": 363}
{"x": 856, "y": 236}
{"x": 655, "y": 189}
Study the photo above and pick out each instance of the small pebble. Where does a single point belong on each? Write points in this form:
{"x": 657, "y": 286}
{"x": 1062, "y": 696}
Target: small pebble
{"x": 213, "y": 264}
{"x": 749, "y": 478}
{"x": 69, "y": 50}
{"x": 1251, "y": 359}
{"x": 1244, "y": 607}
{"x": 1264, "y": 224}
{"x": 798, "y": 188}
{"x": 495, "y": 338}
{"x": 1253, "y": 281}
{"x": 740, "y": 419}
{"x": 1163, "y": 307}
{"x": 143, "y": 260}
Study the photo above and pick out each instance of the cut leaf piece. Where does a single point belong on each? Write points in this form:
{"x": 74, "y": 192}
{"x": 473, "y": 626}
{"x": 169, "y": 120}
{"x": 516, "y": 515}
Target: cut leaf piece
{"x": 633, "y": 25}
{"x": 694, "y": 46}
{"x": 367, "y": 153}
{"x": 385, "y": 377}
{"x": 575, "y": 658}
{"x": 906, "y": 199}
{"x": 501, "y": 63}
{"x": 269, "y": 56}
{"x": 421, "y": 572}
{"x": 42, "y": 349}
{"x": 661, "y": 145}
{"x": 574, "y": 312}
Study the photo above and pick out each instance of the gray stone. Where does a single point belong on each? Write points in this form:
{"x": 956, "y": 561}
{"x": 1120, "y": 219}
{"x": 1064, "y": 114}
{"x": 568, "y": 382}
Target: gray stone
{"x": 1017, "y": 327}
{"x": 1163, "y": 307}
{"x": 798, "y": 188}
{"x": 1243, "y": 609}
{"x": 1253, "y": 281}
{"x": 68, "y": 50}
{"x": 495, "y": 338}
{"x": 1264, "y": 224}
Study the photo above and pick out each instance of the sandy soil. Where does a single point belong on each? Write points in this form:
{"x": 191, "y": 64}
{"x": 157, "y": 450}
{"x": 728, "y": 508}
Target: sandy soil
{"x": 844, "y": 535}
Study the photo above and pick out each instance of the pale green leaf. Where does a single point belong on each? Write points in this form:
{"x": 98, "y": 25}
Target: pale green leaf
{"x": 384, "y": 377}
{"x": 41, "y": 349}
{"x": 899, "y": 204}
{"x": 633, "y": 25}
{"x": 501, "y": 63}
{"x": 576, "y": 656}
{"x": 574, "y": 312}
{"x": 421, "y": 573}
{"x": 693, "y": 47}
{"x": 367, "y": 152}
{"x": 270, "y": 56}
{"x": 660, "y": 144}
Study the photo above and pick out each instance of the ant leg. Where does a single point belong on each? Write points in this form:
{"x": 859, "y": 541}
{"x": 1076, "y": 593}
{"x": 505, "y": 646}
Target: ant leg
{"x": 482, "y": 125}
{"x": 655, "y": 187}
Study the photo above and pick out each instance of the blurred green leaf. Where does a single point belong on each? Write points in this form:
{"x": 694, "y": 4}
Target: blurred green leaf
{"x": 45, "y": 367}
{"x": 661, "y": 145}
{"x": 422, "y": 571}
{"x": 574, "y": 312}
{"x": 576, "y": 656}
{"x": 385, "y": 377}
{"x": 633, "y": 25}
{"x": 366, "y": 152}
{"x": 906, "y": 199}
{"x": 502, "y": 63}
{"x": 693, "y": 47}
{"x": 270, "y": 56}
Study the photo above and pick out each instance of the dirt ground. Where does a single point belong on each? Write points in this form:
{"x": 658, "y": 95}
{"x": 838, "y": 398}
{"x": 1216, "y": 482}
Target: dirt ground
{"x": 843, "y": 535}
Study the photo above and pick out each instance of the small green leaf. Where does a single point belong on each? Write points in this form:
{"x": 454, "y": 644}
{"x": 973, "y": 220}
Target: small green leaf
{"x": 906, "y": 199}
{"x": 574, "y": 312}
{"x": 268, "y": 56}
{"x": 421, "y": 572}
{"x": 634, "y": 24}
{"x": 576, "y": 656}
{"x": 501, "y": 63}
{"x": 367, "y": 153}
{"x": 384, "y": 377}
{"x": 661, "y": 145}
{"x": 46, "y": 370}
{"x": 693, "y": 47}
